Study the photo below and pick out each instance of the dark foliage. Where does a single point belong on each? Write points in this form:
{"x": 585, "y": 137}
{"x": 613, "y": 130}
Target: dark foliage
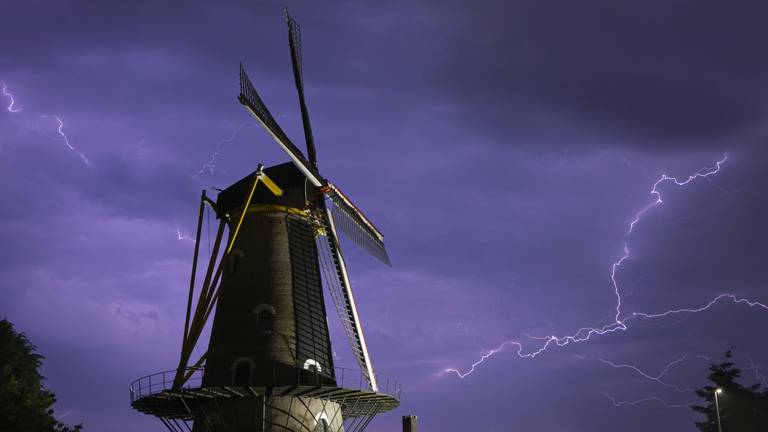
{"x": 743, "y": 409}
{"x": 25, "y": 404}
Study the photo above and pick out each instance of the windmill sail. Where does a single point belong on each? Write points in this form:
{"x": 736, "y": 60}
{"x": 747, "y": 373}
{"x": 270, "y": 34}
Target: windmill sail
{"x": 294, "y": 41}
{"x": 337, "y": 280}
{"x": 251, "y": 100}
{"x": 353, "y": 223}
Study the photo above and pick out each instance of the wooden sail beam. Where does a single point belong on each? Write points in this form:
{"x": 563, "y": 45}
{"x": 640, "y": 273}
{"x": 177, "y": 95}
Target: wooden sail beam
{"x": 194, "y": 367}
{"x": 209, "y": 294}
{"x": 194, "y": 265}
{"x": 192, "y": 335}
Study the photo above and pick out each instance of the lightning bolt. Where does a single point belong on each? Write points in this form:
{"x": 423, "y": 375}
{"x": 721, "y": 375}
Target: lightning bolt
{"x": 183, "y": 236}
{"x": 658, "y": 377}
{"x": 483, "y": 358}
{"x": 66, "y": 413}
{"x": 66, "y": 140}
{"x": 648, "y": 399}
{"x": 60, "y": 128}
{"x": 210, "y": 166}
{"x": 702, "y": 173}
{"x": 10, "y": 107}
{"x": 655, "y": 378}
{"x": 759, "y": 376}
{"x": 732, "y": 297}
{"x": 585, "y": 333}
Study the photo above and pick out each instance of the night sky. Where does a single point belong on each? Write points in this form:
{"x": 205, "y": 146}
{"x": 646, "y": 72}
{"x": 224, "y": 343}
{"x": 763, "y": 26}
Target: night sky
{"x": 503, "y": 148}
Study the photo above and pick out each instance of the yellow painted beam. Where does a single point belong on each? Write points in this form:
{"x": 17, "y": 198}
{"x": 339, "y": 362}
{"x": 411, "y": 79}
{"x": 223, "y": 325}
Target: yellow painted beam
{"x": 242, "y": 214}
{"x": 271, "y": 185}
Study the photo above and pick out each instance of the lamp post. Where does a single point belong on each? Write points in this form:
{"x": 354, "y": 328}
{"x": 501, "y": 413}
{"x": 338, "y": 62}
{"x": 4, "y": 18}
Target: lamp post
{"x": 717, "y": 409}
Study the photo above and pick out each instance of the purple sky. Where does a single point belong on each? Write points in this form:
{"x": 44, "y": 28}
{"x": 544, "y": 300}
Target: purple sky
{"x": 502, "y": 148}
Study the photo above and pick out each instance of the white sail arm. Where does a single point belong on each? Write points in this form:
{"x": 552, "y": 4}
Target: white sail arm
{"x": 347, "y": 291}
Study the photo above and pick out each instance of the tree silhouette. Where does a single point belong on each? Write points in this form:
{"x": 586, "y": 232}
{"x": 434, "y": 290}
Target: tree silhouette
{"x": 25, "y": 404}
{"x": 742, "y": 409}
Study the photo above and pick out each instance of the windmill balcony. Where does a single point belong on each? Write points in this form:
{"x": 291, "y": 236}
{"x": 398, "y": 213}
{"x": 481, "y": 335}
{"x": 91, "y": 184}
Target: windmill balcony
{"x": 154, "y": 394}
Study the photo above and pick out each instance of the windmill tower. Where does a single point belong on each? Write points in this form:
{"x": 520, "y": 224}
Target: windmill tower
{"x": 269, "y": 364}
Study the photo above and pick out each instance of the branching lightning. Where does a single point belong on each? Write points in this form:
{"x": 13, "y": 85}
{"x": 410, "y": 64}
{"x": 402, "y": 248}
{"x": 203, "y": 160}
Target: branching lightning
{"x": 658, "y": 377}
{"x": 648, "y": 399}
{"x": 183, "y": 236}
{"x": 655, "y": 378}
{"x": 759, "y": 376}
{"x": 732, "y": 297}
{"x": 60, "y": 129}
{"x": 210, "y": 166}
{"x": 702, "y": 173}
{"x": 619, "y": 323}
{"x": 485, "y": 356}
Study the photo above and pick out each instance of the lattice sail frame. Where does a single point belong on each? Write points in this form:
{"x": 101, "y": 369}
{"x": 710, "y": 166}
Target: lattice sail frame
{"x": 251, "y": 99}
{"x": 294, "y": 41}
{"x": 351, "y": 221}
{"x": 337, "y": 281}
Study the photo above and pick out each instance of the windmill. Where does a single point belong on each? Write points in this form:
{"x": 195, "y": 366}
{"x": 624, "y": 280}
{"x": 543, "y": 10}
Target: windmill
{"x": 269, "y": 363}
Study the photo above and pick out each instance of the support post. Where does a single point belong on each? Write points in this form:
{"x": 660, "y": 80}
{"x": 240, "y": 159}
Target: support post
{"x": 195, "y": 325}
{"x": 409, "y": 423}
{"x": 194, "y": 265}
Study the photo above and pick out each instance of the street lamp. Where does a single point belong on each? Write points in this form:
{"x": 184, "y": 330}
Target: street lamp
{"x": 717, "y": 409}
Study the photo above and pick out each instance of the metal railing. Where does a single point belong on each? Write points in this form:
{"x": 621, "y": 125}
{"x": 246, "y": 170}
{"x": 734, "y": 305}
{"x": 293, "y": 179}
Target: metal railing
{"x": 161, "y": 381}
{"x": 347, "y": 378}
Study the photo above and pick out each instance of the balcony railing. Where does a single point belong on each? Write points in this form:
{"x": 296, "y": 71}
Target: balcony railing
{"x": 347, "y": 378}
